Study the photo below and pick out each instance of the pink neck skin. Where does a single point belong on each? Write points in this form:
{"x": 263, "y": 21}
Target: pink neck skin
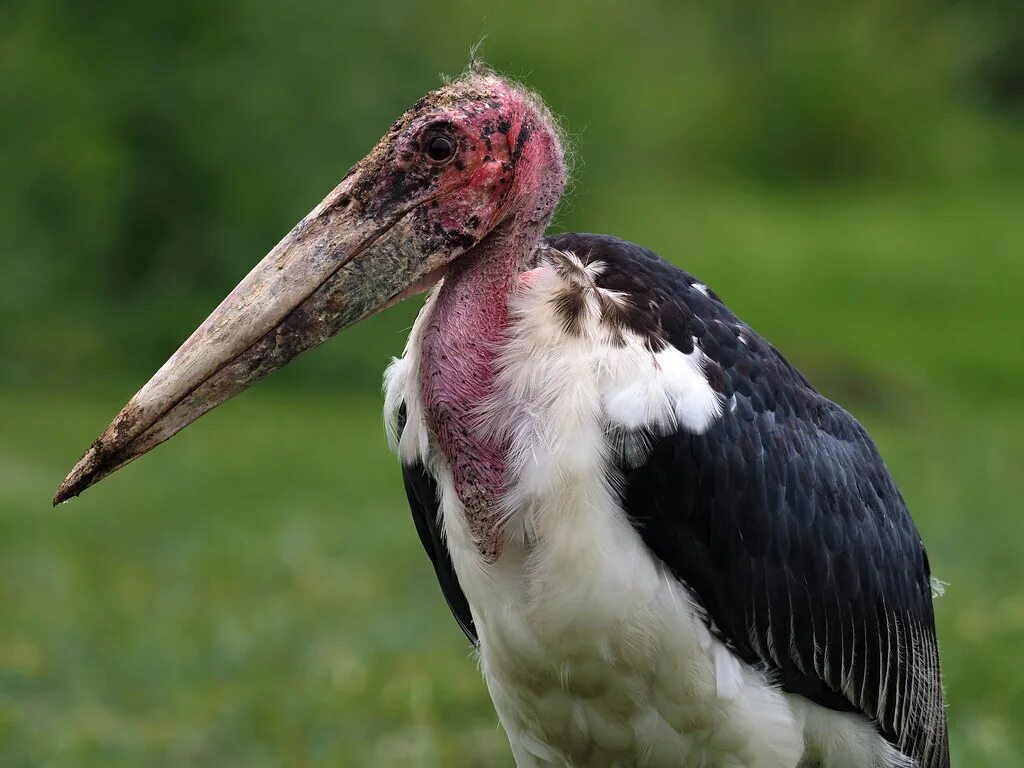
{"x": 460, "y": 346}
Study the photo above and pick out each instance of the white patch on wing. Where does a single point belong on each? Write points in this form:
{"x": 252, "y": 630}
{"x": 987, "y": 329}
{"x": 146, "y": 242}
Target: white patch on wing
{"x": 701, "y": 288}
{"x": 663, "y": 391}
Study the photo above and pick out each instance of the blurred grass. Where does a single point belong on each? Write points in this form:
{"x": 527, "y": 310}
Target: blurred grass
{"x": 845, "y": 175}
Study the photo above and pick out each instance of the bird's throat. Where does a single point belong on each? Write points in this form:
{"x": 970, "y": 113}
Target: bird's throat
{"x": 460, "y": 354}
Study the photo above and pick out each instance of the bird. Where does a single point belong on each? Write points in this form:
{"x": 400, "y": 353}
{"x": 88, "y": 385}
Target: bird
{"x": 665, "y": 546}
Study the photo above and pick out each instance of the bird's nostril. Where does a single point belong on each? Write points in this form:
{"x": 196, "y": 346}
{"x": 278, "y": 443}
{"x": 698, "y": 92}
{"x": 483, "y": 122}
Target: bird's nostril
{"x": 344, "y": 201}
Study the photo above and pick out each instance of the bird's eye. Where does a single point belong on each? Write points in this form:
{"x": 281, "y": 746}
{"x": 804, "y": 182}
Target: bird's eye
{"x": 439, "y": 148}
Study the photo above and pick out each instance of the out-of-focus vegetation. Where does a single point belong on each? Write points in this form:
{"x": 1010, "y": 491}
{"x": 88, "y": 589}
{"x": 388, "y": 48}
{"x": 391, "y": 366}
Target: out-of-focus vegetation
{"x": 846, "y": 175}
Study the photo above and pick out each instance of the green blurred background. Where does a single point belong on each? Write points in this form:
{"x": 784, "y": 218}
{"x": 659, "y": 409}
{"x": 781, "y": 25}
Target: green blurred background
{"x": 847, "y": 175}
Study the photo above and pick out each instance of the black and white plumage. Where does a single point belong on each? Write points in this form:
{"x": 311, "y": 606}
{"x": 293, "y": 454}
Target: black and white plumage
{"x": 777, "y": 520}
{"x": 669, "y": 550}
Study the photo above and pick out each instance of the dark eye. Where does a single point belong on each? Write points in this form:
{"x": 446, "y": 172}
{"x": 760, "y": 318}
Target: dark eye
{"x": 439, "y": 148}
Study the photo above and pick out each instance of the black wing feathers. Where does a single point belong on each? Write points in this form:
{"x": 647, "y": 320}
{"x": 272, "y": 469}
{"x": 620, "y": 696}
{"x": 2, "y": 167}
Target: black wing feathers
{"x": 424, "y": 504}
{"x": 782, "y": 518}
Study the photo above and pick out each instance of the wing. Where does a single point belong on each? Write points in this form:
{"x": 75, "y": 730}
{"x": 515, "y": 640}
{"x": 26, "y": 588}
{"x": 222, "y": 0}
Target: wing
{"x": 424, "y": 504}
{"x": 782, "y": 518}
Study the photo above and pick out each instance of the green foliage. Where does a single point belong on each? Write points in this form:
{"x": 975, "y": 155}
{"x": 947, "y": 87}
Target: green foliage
{"x": 845, "y": 175}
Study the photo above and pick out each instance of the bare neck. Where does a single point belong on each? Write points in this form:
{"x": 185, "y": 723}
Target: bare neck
{"x": 459, "y": 362}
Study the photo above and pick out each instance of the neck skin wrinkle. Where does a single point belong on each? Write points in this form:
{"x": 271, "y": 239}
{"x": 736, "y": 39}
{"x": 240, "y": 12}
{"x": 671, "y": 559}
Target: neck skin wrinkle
{"x": 461, "y": 343}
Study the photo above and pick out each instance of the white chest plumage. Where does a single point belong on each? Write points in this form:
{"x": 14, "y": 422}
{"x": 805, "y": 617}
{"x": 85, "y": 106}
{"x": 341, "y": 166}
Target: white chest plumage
{"x": 593, "y": 653}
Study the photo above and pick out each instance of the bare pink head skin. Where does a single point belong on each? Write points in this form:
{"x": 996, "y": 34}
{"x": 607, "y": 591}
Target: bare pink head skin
{"x": 462, "y": 187}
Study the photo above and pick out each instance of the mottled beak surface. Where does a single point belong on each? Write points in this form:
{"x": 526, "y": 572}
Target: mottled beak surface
{"x": 336, "y": 267}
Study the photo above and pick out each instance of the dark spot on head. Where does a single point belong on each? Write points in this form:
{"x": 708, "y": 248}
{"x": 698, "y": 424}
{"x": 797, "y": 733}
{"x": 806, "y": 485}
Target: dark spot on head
{"x": 438, "y": 237}
{"x": 504, "y": 126}
{"x": 521, "y": 139}
{"x": 473, "y": 221}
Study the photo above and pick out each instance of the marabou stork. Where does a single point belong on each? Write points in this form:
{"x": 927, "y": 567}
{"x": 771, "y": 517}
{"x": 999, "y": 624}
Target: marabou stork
{"x": 667, "y": 547}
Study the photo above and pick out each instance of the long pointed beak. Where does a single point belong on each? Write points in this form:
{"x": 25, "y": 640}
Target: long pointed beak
{"x": 336, "y": 267}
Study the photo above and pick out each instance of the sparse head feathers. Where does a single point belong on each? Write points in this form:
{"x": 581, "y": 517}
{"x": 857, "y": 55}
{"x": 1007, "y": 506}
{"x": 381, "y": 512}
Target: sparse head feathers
{"x": 535, "y": 137}
{"x": 491, "y": 107}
